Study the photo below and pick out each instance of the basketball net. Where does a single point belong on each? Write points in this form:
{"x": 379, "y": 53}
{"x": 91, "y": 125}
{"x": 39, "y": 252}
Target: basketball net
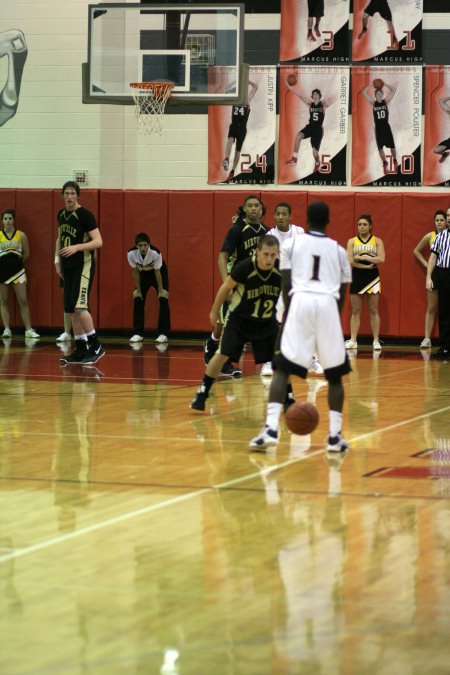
{"x": 150, "y": 100}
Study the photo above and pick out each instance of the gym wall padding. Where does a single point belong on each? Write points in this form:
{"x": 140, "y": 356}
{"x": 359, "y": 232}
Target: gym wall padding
{"x": 189, "y": 228}
{"x": 417, "y": 219}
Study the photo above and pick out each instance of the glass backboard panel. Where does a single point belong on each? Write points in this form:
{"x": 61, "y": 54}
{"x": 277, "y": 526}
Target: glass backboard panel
{"x": 198, "y": 47}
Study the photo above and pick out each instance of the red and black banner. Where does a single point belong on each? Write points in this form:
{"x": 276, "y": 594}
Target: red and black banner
{"x": 314, "y": 31}
{"x": 241, "y": 139}
{"x": 386, "y": 125}
{"x": 387, "y": 31}
{"x": 312, "y": 147}
{"x": 436, "y": 157}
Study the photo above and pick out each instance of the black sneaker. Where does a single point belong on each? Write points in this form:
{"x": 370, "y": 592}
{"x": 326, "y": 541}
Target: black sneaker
{"x": 230, "y": 371}
{"x": 75, "y": 357}
{"x": 210, "y": 349}
{"x": 93, "y": 355}
{"x": 198, "y": 403}
{"x": 442, "y": 353}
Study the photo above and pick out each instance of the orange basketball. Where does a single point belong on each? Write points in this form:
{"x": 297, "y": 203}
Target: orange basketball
{"x": 378, "y": 84}
{"x": 292, "y": 79}
{"x": 302, "y": 418}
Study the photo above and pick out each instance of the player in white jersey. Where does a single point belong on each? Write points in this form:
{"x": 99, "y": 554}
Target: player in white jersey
{"x": 315, "y": 271}
{"x": 283, "y": 231}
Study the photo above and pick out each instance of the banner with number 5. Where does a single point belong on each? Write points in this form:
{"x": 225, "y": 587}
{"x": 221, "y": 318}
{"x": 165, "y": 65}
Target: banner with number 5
{"x": 386, "y": 125}
{"x": 312, "y": 147}
{"x": 241, "y": 139}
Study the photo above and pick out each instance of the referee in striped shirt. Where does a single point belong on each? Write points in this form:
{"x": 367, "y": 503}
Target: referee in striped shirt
{"x": 440, "y": 259}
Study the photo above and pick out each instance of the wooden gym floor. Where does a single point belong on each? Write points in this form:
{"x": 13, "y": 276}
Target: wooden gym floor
{"x": 139, "y": 537}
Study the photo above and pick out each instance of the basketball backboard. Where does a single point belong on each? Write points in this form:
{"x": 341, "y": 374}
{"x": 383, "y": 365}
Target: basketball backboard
{"x": 198, "y": 47}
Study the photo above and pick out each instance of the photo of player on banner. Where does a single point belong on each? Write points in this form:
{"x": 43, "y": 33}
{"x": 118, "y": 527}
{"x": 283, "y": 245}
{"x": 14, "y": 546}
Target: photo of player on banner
{"x": 241, "y": 138}
{"x": 312, "y": 145}
{"x": 386, "y": 125}
{"x": 436, "y": 158}
{"x": 314, "y": 31}
{"x": 387, "y": 31}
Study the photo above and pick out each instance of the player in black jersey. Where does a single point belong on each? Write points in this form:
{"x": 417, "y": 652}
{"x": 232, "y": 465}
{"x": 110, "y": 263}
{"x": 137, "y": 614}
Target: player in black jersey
{"x": 240, "y": 242}
{"x": 314, "y": 128}
{"x": 316, "y": 11}
{"x": 78, "y": 238}
{"x": 383, "y": 132}
{"x": 383, "y": 9}
{"x": 255, "y": 284}
{"x": 443, "y": 148}
{"x": 237, "y": 130}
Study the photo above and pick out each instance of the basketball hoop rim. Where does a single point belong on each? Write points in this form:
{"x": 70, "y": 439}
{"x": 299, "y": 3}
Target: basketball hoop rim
{"x": 151, "y": 85}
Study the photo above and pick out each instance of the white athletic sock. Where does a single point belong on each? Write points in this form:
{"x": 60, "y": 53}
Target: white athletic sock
{"x": 335, "y": 422}
{"x": 273, "y": 415}
{"x": 81, "y": 337}
{"x": 214, "y": 338}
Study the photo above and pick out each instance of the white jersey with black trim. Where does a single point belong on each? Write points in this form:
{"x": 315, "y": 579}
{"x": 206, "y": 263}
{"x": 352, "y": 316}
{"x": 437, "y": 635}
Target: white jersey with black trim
{"x": 293, "y": 231}
{"x": 318, "y": 264}
{"x": 151, "y": 261}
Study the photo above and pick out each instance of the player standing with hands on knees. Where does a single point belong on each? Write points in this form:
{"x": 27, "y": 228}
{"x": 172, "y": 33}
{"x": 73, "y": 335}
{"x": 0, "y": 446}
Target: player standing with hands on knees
{"x": 149, "y": 271}
{"x": 78, "y": 239}
{"x": 315, "y": 272}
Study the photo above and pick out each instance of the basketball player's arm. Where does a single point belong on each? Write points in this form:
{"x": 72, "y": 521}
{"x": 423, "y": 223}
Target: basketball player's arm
{"x": 57, "y": 257}
{"x": 137, "y": 293}
{"x": 91, "y": 245}
{"x": 444, "y": 105}
{"x": 420, "y": 246}
{"x": 300, "y": 96}
{"x": 286, "y": 285}
{"x": 367, "y": 96}
{"x": 223, "y": 262}
{"x": 25, "y": 246}
{"x": 430, "y": 268}
{"x": 391, "y": 93}
{"x": 222, "y": 294}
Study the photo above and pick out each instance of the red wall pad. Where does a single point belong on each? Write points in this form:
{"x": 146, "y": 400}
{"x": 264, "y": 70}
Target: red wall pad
{"x": 191, "y": 259}
{"x": 417, "y": 219}
{"x": 112, "y": 305}
{"x": 144, "y": 211}
{"x": 297, "y": 200}
{"x": 386, "y": 212}
{"x": 89, "y": 199}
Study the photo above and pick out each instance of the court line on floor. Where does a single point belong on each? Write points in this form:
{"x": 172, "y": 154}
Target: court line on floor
{"x": 116, "y": 520}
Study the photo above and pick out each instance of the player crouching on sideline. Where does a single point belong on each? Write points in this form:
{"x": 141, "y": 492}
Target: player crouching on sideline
{"x": 256, "y": 286}
{"x": 315, "y": 271}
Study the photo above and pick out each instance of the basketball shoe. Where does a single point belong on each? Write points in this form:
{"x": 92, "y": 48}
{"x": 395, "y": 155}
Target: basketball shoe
{"x": 267, "y": 438}
{"x": 337, "y": 444}
{"x": 93, "y": 354}
{"x": 199, "y": 400}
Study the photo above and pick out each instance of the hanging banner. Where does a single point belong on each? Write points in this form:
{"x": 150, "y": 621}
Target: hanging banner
{"x": 312, "y": 144}
{"x": 387, "y": 31}
{"x": 241, "y": 139}
{"x": 436, "y": 157}
{"x": 314, "y": 31}
{"x": 386, "y": 125}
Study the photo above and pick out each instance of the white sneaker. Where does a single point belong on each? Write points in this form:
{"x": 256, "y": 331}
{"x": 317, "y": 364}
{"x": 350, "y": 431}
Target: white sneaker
{"x": 64, "y": 337}
{"x": 376, "y": 345}
{"x": 266, "y": 370}
{"x": 31, "y": 333}
{"x": 351, "y": 344}
{"x": 7, "y": 333}
{"x": 337, "y": 444}
{"x": 136, "y": 338}
{"x": 315, "y": 367}
{"x": 162, "y": 338}
{"x": 268, "y": 437}
{"x": 426, "y": 342}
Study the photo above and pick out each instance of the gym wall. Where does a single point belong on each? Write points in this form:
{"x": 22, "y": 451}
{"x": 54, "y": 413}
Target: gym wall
{"x": 189, "y": 226}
